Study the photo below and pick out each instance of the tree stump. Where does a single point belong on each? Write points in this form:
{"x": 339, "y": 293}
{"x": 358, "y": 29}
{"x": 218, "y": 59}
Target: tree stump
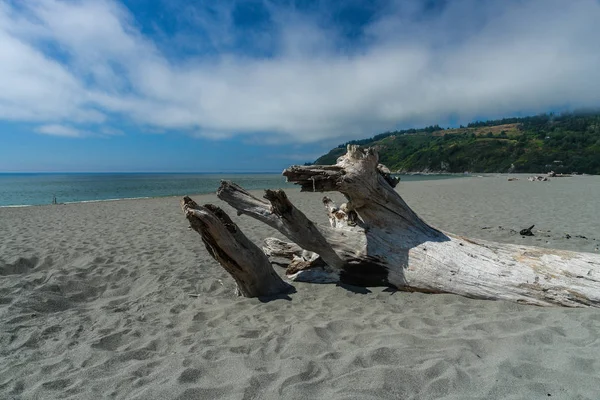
{"x": 375, "y": 238}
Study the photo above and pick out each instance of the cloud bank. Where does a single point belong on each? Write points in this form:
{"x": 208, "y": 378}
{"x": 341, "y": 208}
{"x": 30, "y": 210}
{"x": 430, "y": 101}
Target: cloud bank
{"x": 295, "y": 75}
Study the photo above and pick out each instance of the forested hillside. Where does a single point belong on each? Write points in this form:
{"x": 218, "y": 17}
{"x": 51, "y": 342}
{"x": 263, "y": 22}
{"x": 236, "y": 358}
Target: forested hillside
{"x": 567, "y": 143}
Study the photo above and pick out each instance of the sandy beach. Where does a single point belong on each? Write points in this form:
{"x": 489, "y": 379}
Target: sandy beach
{"x": 120, "y": 300}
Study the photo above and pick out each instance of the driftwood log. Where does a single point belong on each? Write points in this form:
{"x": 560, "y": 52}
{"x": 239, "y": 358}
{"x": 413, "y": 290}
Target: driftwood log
{"x": 375, "y": 239}
{"x": 244, "y": 261}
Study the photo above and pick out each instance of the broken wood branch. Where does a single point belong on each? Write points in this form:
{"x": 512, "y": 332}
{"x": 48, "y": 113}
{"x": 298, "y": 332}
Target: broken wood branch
{"x": 240, "y": 257}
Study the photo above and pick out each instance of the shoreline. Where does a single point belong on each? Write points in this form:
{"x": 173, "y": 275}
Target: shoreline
{"x": 444, "y": 175}
{"x": 119, "y": 199}
{"x": 160, "y": 196}
{"x": 28, "y": 190}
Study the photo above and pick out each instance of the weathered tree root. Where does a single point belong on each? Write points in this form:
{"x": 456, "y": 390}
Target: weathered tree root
{"x": 376, "y": 239}
{"x": 240, "y": 257}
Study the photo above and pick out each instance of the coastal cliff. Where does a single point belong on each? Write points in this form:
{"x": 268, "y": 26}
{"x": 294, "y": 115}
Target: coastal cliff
{"x": 563, "y": 143}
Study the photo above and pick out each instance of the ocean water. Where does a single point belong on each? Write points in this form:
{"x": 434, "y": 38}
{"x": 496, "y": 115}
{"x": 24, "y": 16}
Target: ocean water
{"x": 25, "y": 189}
{"x": 37, "y": 189}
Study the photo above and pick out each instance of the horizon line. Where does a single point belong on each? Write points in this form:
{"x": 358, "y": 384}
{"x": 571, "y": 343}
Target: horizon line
{"x": 138, "y": 172}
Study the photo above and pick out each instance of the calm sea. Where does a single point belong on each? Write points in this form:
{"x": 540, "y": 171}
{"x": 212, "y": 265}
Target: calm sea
{"x": 24, "y": 189}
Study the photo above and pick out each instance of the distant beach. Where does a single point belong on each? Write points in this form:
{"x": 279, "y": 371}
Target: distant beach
{"x": 38, "y": 189}
{"x": 27, "y": 189}
{"x": 121, "y": 300}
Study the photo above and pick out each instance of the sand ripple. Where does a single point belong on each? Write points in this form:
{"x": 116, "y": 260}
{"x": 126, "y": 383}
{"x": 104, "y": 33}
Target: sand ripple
{"x": 95, "y": 303}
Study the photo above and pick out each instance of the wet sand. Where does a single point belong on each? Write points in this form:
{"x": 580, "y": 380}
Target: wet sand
{"x": 121, "y": 300}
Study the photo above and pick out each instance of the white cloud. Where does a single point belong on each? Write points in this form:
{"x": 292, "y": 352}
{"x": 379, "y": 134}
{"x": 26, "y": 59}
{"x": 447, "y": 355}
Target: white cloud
{"x": 71, "y": 132}
{"x": 61, "y": 130}
{"x": 83, "y": 62}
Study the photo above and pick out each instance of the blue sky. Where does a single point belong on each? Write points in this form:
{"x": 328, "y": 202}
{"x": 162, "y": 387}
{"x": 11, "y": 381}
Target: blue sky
{"x": 170, "y": 85}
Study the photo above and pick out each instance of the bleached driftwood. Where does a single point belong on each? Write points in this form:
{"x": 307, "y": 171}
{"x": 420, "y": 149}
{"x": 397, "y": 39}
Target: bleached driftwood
{"x": 376, "y": 239}
{"x": 244, "y": 261}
